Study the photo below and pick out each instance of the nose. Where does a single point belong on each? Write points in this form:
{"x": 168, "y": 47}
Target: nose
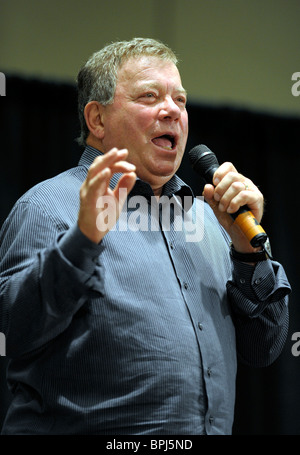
{"x": 169, "y": 109}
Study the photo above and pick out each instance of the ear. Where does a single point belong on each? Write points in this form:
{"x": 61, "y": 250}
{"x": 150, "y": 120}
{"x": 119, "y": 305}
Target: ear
{"x": 93, "y": 118}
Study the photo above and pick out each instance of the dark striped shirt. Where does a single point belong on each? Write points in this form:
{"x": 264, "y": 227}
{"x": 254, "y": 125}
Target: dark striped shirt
{"x": 136, "y": 335}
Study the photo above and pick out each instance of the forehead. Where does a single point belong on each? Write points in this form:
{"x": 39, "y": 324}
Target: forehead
{"x": 137, "y": 70}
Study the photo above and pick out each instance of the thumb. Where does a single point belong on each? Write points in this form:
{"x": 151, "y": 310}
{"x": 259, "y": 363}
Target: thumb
{"x": 124, "y": 186}
{"x": 208, "y": 193}
{"x": 224, "y": 218}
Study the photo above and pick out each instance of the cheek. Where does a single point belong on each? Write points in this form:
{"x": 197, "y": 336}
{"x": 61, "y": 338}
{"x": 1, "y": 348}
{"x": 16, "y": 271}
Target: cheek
{"x": 135, "y": 126}
{"x": 141, "y": 114}
{"x": 185, "y": 124}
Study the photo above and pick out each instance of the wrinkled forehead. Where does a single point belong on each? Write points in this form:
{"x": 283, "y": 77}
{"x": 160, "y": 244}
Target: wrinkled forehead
{"x": 146, "y": 68}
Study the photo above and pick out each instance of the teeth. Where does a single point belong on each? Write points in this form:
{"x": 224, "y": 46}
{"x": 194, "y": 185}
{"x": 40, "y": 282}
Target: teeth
{"x": 167, "y": 147}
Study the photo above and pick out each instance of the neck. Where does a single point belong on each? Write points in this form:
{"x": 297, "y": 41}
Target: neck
{"x": 157, "y": 192}
{"x": 94, "y": 142}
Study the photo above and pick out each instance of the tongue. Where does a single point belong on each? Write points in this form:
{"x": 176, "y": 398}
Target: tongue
{"x": 162, "y": 142}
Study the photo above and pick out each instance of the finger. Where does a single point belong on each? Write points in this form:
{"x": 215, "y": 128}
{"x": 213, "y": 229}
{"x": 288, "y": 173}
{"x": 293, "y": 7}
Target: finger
{"x": 224, "y": 218}
{"x": 253, "y": 198}
{"x": 100, "y": 181}
{"x": 123, "y": 167}
{"x": 106, "y": 160}
{"x": 232, "y": 190}
{"x": 118, "y": 167}
{"x": 95, "y": 187}
{"x": 208, "y": 193}
{"x": 125, "y": 183}
{"x": 227, "y": 180}
{"x": 242, "y": 193}
{"x": 222, "y": 170}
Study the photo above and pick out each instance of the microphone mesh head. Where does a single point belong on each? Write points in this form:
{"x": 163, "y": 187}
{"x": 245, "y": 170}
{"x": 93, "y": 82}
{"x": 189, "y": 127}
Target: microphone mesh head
{"x": 202, "y": 159}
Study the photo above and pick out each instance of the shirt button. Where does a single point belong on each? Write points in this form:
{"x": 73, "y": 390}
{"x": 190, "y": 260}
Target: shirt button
{"x": 242, "y": 280}
{"x": 185, "y": 285}
{"x": 200, "y": 326}
{"x": 172, "y": 245}
{"x": 209, "y": 371}
{"x": 211, "y": 420}
{"x": 257, "y": 281}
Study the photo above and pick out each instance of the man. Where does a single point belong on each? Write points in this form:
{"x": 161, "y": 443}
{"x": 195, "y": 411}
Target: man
{"x": 112, "y": 329}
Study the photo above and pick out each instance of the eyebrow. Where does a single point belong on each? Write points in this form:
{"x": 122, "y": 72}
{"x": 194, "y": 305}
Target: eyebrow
{"x": 149, "y": 85}
{"x": 182, "y": 91}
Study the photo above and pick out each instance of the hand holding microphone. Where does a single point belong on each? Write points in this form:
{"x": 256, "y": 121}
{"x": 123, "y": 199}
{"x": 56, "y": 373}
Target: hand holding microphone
{"x": 236, "y": 201}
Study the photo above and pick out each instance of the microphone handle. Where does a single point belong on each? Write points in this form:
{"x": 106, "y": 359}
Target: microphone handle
{"x": 247, "y": 222}
{"x": 244, "y": 218}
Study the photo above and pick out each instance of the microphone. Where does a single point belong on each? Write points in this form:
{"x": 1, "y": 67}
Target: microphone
{"x": 205, "y": 163}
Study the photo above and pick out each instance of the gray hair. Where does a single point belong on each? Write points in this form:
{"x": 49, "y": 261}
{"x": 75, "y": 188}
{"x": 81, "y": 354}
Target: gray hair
{"x": 97, "y": 79}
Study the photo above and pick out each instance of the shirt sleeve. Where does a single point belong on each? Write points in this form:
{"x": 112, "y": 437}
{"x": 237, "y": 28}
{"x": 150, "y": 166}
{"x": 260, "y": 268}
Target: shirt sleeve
{"x": 259, "y": 301}
{"x": 47, "y": 273}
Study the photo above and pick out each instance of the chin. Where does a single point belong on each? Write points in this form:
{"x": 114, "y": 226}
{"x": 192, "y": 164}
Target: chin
{"x": 165, "y": 170}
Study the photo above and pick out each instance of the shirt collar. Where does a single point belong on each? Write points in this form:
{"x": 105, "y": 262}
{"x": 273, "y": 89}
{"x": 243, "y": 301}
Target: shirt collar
{"x": 175, "y": 186}
{"x": 88, "y": 156}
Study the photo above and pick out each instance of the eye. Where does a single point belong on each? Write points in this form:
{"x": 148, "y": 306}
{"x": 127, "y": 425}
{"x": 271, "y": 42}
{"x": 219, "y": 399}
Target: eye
{"x": 149, "y": 95}
{"x": 181, "y": 100}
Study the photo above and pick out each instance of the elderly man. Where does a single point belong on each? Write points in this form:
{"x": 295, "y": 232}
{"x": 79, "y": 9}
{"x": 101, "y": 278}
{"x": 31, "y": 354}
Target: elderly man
{"x": 113, "y": 330}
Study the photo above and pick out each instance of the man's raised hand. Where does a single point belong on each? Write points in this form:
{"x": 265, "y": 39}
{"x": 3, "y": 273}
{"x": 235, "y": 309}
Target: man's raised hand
{"x": 96, "y": 186}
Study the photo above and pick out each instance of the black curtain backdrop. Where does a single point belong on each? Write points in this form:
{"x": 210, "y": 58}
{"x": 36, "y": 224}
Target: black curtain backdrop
{"x": 38, "y": 125}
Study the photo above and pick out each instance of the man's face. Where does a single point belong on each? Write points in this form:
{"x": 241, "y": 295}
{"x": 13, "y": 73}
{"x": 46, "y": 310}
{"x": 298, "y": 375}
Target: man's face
{"x": 149, "y": 118}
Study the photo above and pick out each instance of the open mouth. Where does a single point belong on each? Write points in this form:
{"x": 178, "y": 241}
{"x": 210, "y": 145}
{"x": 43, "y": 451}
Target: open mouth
{"x": 166, "y": 141}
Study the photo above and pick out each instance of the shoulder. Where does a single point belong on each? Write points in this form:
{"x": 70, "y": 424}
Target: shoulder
{"x": 59, "y": 186}
{"x": 56, "y": 198}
